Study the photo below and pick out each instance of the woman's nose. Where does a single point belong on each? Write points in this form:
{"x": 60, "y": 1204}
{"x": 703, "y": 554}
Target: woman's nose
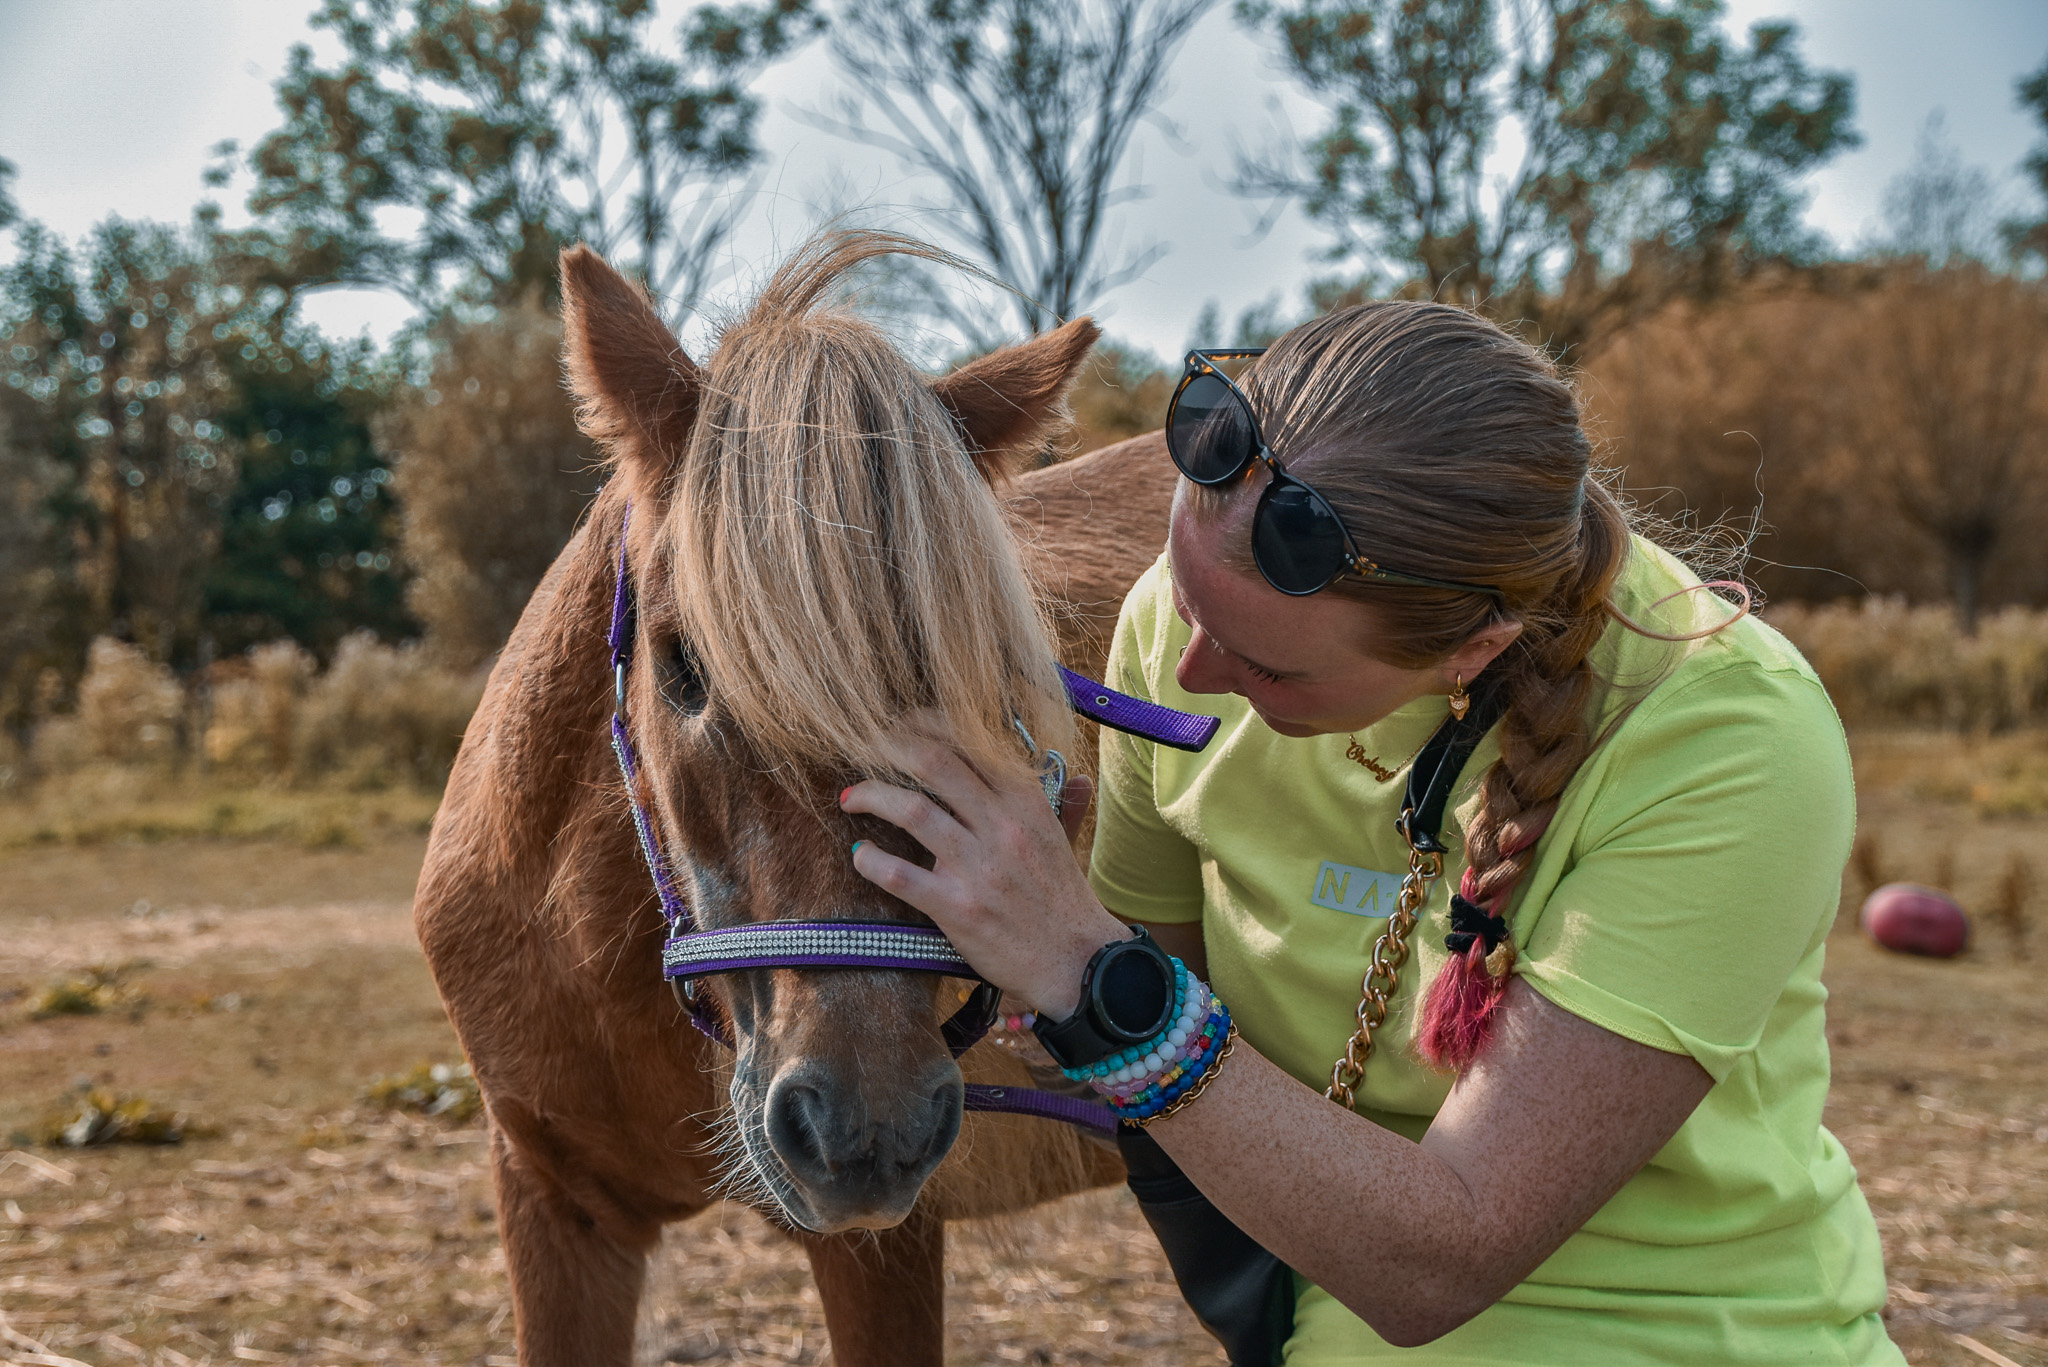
{"x": 1202, "y": 668}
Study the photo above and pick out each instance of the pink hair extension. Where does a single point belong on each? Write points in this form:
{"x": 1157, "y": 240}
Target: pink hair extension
{"x": 1459, "y": 1011}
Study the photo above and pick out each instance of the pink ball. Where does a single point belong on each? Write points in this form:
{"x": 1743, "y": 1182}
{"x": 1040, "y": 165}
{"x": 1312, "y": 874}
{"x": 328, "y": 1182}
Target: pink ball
{"x": 1915, "y": 920}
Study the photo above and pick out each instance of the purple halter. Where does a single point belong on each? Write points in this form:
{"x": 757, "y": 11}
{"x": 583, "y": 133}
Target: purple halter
{"x": 692, "y": 953}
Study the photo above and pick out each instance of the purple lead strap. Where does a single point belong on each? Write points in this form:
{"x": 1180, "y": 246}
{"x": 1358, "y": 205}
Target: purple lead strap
{"x": 1093, "y": 1115}
{"x": 1147, "y": 720}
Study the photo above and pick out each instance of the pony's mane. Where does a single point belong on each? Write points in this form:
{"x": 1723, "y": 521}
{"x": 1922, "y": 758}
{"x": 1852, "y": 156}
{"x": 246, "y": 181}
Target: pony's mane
{"x": 840, "y": 562}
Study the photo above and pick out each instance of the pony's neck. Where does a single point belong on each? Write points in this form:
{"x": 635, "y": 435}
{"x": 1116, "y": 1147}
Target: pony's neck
{"x": 546, "y": 754}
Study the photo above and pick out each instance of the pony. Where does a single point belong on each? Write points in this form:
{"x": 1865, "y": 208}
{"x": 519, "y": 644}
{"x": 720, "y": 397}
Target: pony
{"x": 821, "y": 542}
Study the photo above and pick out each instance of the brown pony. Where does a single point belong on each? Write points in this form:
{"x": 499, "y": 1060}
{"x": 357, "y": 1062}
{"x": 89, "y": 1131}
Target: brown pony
{"x": 818, "y": 549}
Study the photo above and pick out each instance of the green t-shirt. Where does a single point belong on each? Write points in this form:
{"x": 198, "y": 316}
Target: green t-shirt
{"x": 1681, "y": 897}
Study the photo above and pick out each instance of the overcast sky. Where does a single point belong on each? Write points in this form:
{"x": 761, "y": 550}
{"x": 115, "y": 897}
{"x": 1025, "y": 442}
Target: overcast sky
{"x": 110, "y": 107}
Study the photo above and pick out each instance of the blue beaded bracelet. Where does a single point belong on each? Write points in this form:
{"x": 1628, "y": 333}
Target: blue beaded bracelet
{"x": 1152, "y": 1101}
{"x": 1187, "y": 1061}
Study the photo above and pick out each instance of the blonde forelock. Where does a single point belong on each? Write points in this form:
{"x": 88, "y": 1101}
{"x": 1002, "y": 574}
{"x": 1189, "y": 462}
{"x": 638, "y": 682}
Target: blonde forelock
{"x": 839, "y": 562}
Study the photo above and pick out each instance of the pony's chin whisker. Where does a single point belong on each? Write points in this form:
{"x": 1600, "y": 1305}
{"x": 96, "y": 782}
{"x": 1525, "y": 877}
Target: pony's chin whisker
{"x": 738, "y": 1173}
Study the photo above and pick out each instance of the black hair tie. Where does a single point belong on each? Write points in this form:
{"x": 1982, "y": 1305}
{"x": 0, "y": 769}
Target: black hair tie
{"x": 1470, "y": 922}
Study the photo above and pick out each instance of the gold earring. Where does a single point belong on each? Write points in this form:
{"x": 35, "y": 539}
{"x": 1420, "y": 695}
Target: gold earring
{"x": 1461, "y": 701}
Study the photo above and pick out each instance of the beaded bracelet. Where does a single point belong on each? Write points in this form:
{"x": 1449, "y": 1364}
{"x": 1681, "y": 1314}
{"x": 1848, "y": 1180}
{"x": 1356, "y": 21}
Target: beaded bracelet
{"x": 1160, "y": 1056}
{"x": 1200, "y": 1085}
{"x": 1199, "y": 1039}
{"x": 1156, "y": 1100}
{"x": 1152, "y": 1096}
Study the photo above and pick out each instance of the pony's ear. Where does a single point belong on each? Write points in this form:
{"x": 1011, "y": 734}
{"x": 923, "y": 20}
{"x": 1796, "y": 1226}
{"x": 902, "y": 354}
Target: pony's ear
{"x": 636, "y": 392}
{"x": 1006, "y": 400}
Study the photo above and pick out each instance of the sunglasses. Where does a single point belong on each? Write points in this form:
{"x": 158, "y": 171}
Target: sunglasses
{"x": 1298, "y": 542}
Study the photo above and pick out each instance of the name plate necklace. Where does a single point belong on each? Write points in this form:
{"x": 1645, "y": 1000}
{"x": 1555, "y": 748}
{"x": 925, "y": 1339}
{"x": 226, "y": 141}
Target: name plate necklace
{"x": 1461, "y": 702}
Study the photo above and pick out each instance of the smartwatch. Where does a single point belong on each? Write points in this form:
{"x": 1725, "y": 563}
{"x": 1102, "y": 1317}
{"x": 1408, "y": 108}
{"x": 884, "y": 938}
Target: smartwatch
{"x": 1126, "y": 999}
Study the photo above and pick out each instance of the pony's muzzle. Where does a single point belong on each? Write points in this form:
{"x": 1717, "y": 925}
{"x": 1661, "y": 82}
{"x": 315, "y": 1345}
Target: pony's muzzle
{"x": 861, "y": 1159}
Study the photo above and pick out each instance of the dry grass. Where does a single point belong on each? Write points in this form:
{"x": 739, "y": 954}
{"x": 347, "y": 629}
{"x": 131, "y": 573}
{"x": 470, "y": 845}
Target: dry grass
{"x": 107, "y": 806}
{"x": 444, "y": 1089}
{"x": 1992, "y": 776}
{"x": 87, "y": 993}
{"x": 317, "y": 1227}
{"x": 93, "y": 1116}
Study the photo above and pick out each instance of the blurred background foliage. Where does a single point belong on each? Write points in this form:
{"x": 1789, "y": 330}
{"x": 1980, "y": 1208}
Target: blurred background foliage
{"x": 233, "y": 551}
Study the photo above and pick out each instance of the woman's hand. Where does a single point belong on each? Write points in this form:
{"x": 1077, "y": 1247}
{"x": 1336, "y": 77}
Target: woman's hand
{"x": 1004, "y": 886}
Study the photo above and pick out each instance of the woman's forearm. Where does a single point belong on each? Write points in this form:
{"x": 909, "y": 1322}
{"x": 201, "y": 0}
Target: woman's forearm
{"x": 1415, "y": 1239}
{"x": 1383, "y": 1225}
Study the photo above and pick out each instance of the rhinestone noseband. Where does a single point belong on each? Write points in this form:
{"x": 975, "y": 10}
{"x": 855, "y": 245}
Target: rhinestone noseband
{"x": 691, "y": 953}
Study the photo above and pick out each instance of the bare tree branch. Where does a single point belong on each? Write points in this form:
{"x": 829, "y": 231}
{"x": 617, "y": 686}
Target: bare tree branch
{"x": 1021, "y": 111}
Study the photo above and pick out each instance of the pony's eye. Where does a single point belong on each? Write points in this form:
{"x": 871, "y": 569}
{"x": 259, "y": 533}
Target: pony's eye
{"x": 685, "y": 684}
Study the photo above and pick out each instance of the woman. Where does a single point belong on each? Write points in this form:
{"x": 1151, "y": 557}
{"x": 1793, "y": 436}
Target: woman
{"x": 1605, "y": 1146}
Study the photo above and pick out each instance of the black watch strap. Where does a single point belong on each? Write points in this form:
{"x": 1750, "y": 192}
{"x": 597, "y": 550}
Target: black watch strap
{"x": 1095, "y": 1031}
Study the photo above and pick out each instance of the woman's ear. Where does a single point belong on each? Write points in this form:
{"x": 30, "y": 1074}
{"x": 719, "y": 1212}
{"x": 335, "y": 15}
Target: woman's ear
{"x": 1472, "y": 658}
{"x": 1006, "y": 401}
{"x": 636, "y": 392}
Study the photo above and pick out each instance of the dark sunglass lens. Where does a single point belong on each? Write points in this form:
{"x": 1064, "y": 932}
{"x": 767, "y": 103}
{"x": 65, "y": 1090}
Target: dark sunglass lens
{"x": 1210, "y": 434}
{"x": 1296, "y": 540}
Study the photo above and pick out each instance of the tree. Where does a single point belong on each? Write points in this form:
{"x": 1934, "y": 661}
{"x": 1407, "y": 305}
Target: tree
{"x": 510, "y": 129}
{"x": 1940, "y": 209}
{"x": 1875, "y": 428}
{"x": 160, "y": 386}
{"x": 2030, "y": 238}
{"x": 1021, "y": 111}
{"x": 9, "y": 211}
{"x": 1120, "y": 392}
{"x": 493, "y": 474}
{"x": 1950, "y": 405}
{"x": 32, "y": 578}
{"x": 123, "y": 354}
{"x": 308, "y": 530}
{"x": 1655, "y": 154}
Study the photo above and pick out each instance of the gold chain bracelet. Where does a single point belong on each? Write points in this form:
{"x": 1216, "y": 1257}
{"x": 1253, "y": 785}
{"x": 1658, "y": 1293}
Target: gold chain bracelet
{"x": 1201, "y": 1083}
{"x": 1383, "y": 975}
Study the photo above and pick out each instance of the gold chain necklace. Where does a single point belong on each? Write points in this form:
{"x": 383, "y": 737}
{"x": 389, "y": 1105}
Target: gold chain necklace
{"x": 1356, "y": 754}
{"x": 1390, "y": 952}
{"x": 1382, "y": 975}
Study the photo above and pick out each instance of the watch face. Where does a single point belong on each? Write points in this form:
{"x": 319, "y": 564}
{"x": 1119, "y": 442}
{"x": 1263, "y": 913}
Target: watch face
{"x": 1133, "y": 990}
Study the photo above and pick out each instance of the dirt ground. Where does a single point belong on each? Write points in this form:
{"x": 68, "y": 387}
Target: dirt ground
{"x": 268, "y": 983}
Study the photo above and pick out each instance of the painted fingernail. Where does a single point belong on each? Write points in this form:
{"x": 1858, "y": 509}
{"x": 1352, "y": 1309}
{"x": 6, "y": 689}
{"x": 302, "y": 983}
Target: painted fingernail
{"x": 857, "y": 844}
{"x": 843, "y": 792}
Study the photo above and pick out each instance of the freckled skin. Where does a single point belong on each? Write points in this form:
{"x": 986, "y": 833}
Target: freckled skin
{"x": 1415, "y": 1239}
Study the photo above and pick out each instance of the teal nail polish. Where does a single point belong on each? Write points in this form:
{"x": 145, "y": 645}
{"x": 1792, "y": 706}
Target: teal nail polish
{"x": 857, "y": 844}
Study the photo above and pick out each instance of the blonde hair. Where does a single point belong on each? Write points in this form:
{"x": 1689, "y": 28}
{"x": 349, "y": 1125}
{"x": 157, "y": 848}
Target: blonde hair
{"x": 840, "y": 563}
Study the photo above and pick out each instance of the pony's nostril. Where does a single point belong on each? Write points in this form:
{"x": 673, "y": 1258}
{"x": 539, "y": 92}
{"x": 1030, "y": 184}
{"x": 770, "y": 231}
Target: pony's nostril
{"x": 945, "y": 1091}
{"x": 945, "y": 1100}
{"x": 795, "y": 1122}
{"x": 829, "y": 1139}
